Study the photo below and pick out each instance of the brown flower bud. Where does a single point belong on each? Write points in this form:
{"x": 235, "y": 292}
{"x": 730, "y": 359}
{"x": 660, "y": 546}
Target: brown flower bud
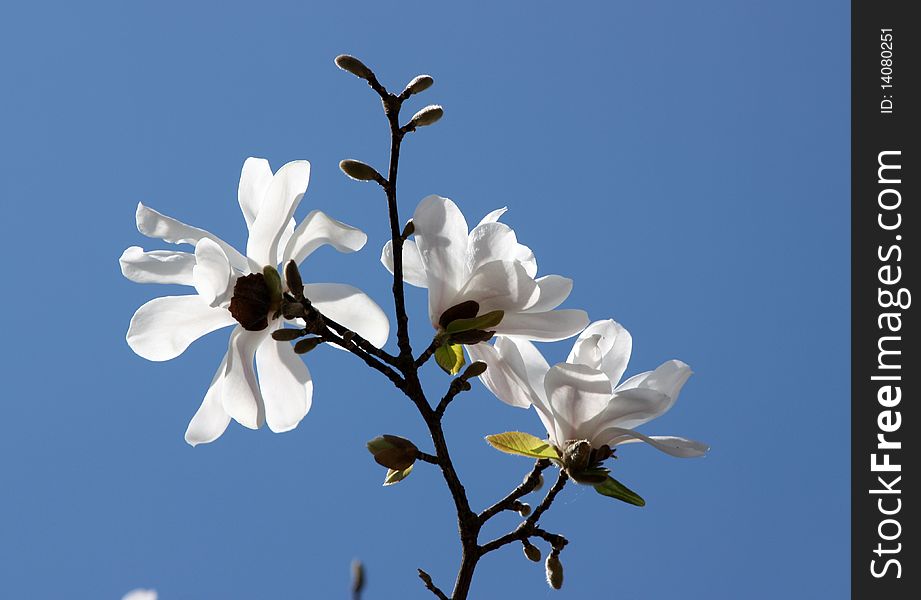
{"x": 524, "y": 509}
{"x": 427, "y": 116}
{"x": 293, "y": 279}
{"x": 474, "y": 370}
{"x": 306, "y": 345}
{"x": 554, "y": 571}
{"x": 420, "y": 83}
{"x": 531, "y": 551}
{"x": 359, "y": 171}
{"x": 393, "y": 452}
{"x": 287, "y": 335}
{"x": 251, "y": 302}
{"x": 354, "y": 66}
{"x": 358, "y": 577}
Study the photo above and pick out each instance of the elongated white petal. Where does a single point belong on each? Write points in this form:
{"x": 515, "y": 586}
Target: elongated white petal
{"x": 490, "y": 242}
{"x": 413, "y": 271}
{"x": 633, "y": 407}
{"x": 254, "y": 182}
{"x": 352, "y": 308}
{"x": 554, "y": 290}
{"x": 286, "y": 236}
{"x": 212, "y": 275}
{"x": 164, "y": 327}
{"x": 604, "y": 345}
{"x": 668, "y": 379}
{"x": 494, "y": 215}
{"x": 140, "y": 594}
{"x": 500, "y": 378}
{"x": 675, "y": 446}
{"x": 526, "y": 257}
{"x": 577, "y": 395}
{"x": 316, "y": 230}
{"x": 157, "y": 225}
{"x": 281, "y": 199}
{"x": 500, "y": 285}
{"x": 441, "y": 237}
{"x": 211, "y": 420}
{"x": 548, "y": 326}
{"x": 158, "y": 266}
{"x": 240, "y": 394}
{"x": 284, "y": 380}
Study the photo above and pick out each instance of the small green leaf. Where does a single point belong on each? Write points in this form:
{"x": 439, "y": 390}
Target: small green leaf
{"x": 450, "y": 357}
{"x": 394, "y": 476}
{"x": 523, "y": 444}
{"x": 484, "y": 321}
{"x": 616, "y": 489}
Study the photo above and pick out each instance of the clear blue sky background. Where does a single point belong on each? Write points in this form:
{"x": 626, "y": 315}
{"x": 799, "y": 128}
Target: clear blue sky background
{"x": 685, "y": 162}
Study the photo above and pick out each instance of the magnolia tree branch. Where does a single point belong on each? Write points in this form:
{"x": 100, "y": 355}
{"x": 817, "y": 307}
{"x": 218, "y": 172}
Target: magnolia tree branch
{"x": 469, "y": 523}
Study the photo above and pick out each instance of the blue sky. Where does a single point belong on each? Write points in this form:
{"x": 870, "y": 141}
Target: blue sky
{"x": 686, "y": 163}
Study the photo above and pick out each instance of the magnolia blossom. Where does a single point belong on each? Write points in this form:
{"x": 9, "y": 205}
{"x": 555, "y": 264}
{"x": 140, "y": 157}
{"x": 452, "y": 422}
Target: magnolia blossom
{"x": 140, "y": 594}
{"x": 583, "y": 398}
{"x": 164, "y": 327}
{"x": 486, "y": 265}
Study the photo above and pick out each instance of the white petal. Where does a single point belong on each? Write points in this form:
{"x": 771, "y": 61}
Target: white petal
{"x": 526, "y": 257}
{"x": 164, "y": 327}
{"x": 668, "y": 379}
{"x": 254, "y": 182}
{"x": 241, "y": 396}
{"x": 351, "y": 308}
{"x": 281, "y": 199}
{"x": 578, "y": 396}
{"x": 441, "y": 236}
{"x": 633, "y": 407}
{"x": 318, "y": 229}
{"x": 553, "y": 291}
{"x": 158, "y": 266}
{"x": 675, "y": 446}
{"x": 490, "y": 242}
{"x": 212, "y": 274}
{"x": 140, "y": 594}
{"x": 494, "y": 215}
{"x": 285, "y": 383}
{"x": 604, "y": 345}
{"x": 156, "y": 225}
{"x": 286, "y": 236}
{"x": 549, "y": 326}
{"x": 500, "y": 378}
{"x": 211, "y": 420}
{"x": 413, "y": 271}
{"x": 500, "y": 285}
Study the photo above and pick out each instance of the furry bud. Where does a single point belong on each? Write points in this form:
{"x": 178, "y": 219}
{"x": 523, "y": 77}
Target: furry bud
{"x": 427, "y": 116}
{"x": 554, "y": 571}
{"x": 354, "y": 66}
{"x": 359, "y": 171}
{"x": 420, "y": 83}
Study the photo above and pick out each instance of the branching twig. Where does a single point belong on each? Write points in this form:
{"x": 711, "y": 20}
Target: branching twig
{"x": 428, "y": 352}
{"x": 430, "y": 585}
{"x": 526, "y": 487}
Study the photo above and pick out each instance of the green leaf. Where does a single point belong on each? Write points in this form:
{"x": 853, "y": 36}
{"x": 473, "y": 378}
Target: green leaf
{"x": 394, "y": 476}
{"x": 615, "y": 489}
{"x": 523, "y": 444}
{"x": 484, "y": 321}
{"x": 450, "y": 357}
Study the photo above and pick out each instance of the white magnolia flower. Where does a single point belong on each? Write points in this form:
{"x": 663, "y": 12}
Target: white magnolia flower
{"x": 582, "y": 398}
{"x": 486, "y": 265}
{"x": 140, "y": 594}
{"x": 164, "y": 327}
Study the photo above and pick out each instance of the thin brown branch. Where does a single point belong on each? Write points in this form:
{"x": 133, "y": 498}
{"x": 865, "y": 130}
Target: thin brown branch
{"x": 528, "y": 528}
{"x": 430, "y": 585}
{"x": 457, "y": 386}
{"x": 526, "y": 487}
{"x": 428, "y": 352}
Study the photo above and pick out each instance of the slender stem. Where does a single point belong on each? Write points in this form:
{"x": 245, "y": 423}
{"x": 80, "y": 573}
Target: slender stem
{"x": 427, "y": 354}
{"x": 468, "y": 522}
{"x": 526, "y": 487}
